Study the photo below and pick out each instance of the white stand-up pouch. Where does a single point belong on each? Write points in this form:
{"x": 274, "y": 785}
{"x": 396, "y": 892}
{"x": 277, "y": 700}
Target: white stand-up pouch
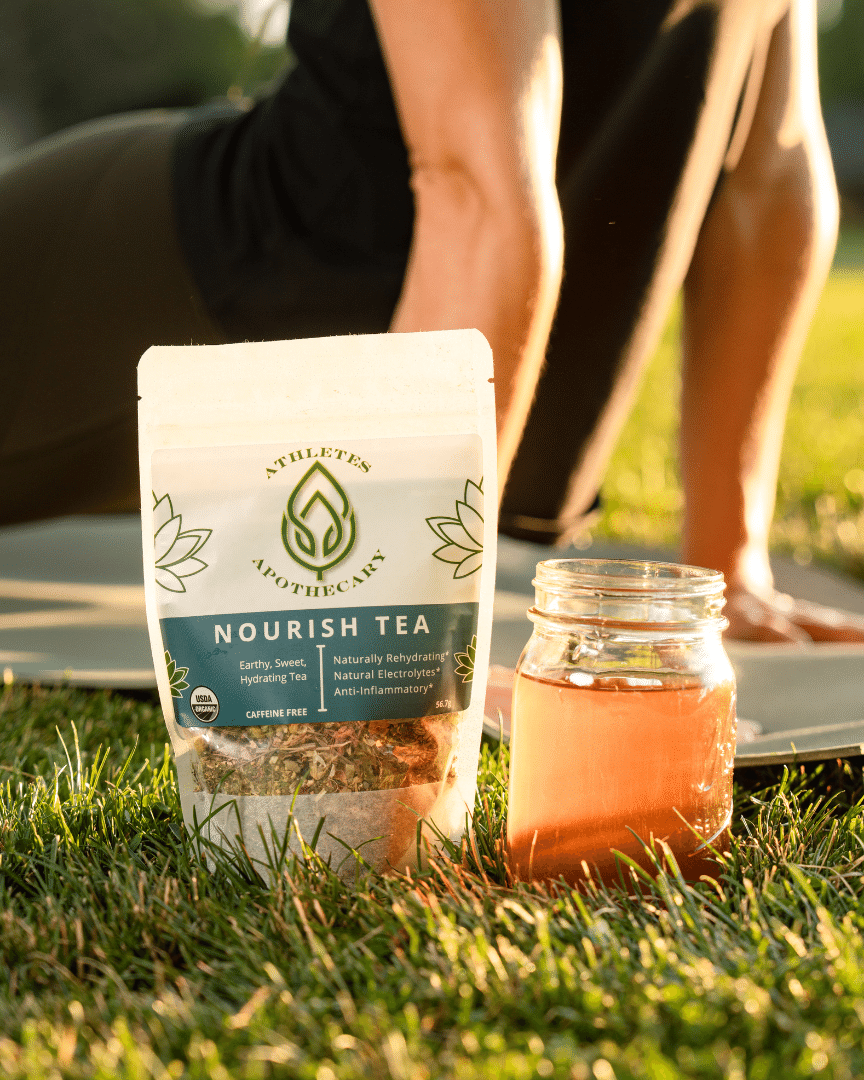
{"x": 319, "y": 523}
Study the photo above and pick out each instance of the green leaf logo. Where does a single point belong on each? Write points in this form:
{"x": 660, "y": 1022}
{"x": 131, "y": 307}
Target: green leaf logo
{"x": 463, "y": 534}
{"x": 176, "y": 676}
{"x": 176, "y": 550}
{"x": 318, "y": 526}
{"x": 465, "y": 661}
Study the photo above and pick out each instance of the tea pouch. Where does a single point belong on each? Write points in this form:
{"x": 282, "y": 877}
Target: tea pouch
{"x": 319, "y": 521}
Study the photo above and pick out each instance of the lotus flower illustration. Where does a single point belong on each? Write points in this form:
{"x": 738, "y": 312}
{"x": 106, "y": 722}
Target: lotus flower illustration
{"x": 465, "y": 661}
{"x": 176, "y": 676}
{"x": 318, "y": 526}
{"x": 463, "y": 534}
{"x": 175, "y": 549}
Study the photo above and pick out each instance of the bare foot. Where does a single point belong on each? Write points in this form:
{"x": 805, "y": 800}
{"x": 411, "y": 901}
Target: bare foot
{"x": 779, "y": 617}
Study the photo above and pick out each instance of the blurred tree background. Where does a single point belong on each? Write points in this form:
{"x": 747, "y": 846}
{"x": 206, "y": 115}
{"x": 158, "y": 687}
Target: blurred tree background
{"x": 841, "y": 78}
{"x": 65, "y": 61}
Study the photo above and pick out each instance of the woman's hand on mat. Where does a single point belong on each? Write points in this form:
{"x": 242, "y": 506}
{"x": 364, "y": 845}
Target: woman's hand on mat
{"x": 777, "y": 616}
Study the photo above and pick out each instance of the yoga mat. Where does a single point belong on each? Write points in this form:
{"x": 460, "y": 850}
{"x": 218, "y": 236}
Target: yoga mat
{"x": 72, "y": 612}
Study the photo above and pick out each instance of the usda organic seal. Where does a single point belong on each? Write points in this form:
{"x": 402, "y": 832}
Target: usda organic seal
{"x": 204, "y": 703}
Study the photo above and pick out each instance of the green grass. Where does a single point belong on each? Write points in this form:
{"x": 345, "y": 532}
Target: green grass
{"x": 820, "y": 498}
{"x": 127, "y": 957}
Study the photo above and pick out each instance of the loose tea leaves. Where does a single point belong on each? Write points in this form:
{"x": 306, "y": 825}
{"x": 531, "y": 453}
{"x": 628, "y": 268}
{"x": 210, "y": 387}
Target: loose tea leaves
{"x": 373, "y": 755}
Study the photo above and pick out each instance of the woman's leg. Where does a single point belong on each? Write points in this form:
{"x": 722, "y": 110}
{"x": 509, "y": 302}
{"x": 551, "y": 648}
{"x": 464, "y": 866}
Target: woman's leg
{"x": 634, "y": 193}
{"x": 760, "y": 263}
{"x": 90, "y": 276}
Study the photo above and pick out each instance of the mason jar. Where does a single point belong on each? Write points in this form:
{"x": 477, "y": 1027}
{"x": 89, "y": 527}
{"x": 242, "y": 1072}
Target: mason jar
{"x": 623, "y": 722}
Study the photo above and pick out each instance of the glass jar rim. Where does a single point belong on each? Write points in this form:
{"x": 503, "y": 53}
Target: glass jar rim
{"x": 629, "y": 577}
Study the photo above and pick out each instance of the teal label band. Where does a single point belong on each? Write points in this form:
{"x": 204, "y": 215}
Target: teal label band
{"x": 397, "y": 662}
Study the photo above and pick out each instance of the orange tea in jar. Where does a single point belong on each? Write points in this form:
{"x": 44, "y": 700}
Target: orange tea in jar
{"x": 623, "y": 722}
